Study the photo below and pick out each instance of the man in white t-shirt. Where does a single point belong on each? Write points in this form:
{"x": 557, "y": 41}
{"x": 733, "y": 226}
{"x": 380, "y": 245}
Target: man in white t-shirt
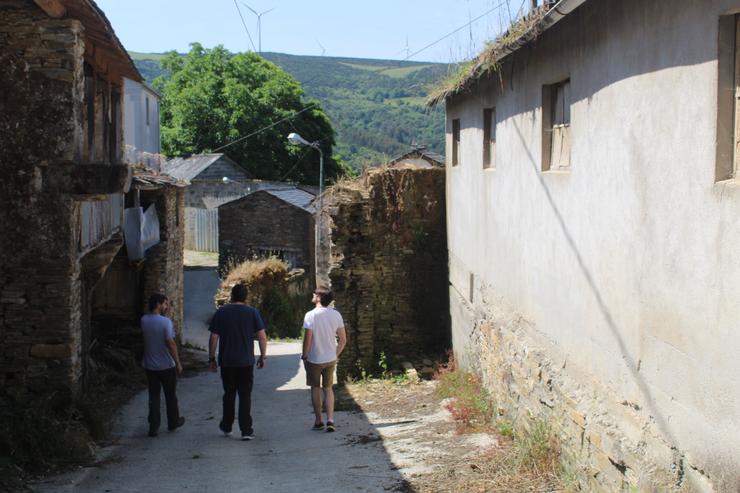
{"x": 323, "y": 325}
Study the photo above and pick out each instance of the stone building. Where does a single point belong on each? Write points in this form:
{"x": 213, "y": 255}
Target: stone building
{"x": 214, "y": 180}
{"x": 61, "y": 186}
{"x": 389, "y": 265}
{"x": 592, "y": 211}
{"x": 266, "y": 223}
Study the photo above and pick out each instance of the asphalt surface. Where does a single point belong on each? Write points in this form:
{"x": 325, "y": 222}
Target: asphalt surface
{"x": 285, "y": 456}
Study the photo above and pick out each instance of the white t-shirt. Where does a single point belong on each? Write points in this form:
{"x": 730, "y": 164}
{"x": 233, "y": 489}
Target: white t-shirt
{"x": 324, "y": 322}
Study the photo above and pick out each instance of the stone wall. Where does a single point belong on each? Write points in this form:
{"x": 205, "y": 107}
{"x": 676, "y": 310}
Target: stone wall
{"x": 163, "y": 272}
{"x": 261, "y": 222}
{"x": 40, "y": 289}
{"x": 389, "y": 265}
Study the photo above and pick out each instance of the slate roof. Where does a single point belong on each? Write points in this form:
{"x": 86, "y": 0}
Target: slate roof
{"x": 190, "y": 167}
{"x": 423, "y": 153}
{"x": 293, "y": 196}
{"x": 297, "y": 197}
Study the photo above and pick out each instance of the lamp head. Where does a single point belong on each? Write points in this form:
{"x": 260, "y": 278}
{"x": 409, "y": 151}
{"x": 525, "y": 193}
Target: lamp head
{"x": 226, "y": 179}
{"x": 296, "y": 139}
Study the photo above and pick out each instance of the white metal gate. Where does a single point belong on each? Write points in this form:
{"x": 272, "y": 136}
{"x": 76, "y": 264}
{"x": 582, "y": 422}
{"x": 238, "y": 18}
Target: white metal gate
{"x": 201, "y": 229}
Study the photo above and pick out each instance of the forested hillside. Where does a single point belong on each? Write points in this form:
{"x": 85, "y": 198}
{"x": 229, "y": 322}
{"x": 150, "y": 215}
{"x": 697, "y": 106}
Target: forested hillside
{"x": 376, "y": 106}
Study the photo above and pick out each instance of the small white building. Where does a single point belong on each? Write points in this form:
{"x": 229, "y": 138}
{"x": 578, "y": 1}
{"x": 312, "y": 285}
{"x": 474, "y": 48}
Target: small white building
{"x": 593, "y": 218}
{"x": 141, "y": 134}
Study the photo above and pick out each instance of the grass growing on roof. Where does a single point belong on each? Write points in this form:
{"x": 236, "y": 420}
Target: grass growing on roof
{"x": 521, "y": 31}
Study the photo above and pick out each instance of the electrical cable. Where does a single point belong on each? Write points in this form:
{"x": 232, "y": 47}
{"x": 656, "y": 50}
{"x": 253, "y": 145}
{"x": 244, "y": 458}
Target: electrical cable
{"x": 245, "y": 25}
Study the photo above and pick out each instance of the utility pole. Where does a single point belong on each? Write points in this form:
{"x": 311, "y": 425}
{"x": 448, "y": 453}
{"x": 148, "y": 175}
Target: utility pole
{"x": 259, "y": 25}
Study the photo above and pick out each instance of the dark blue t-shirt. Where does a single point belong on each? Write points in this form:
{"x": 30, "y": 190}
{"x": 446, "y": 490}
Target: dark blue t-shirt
{"x": 236, "y": 326}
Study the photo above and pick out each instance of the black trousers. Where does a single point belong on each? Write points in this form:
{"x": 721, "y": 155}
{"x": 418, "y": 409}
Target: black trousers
{"x": 238, "y": 380}
{"x": 167, "y": 381}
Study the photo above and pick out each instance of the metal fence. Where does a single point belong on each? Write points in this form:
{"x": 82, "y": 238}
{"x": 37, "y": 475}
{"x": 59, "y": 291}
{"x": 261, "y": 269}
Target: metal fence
{"x": 201, "y": 229}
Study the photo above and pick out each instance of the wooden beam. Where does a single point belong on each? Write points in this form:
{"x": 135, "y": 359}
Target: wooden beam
{"x": 53, "y": 8}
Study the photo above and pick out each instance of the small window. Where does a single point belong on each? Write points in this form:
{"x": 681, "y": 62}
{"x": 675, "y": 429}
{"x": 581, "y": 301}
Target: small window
{"x": 456, "y": 142}
{"x": 489, "y": 138}
{"x": 146, "y": 110}
{"x": 728, "y": 102}
{"x": 556, "y": 101}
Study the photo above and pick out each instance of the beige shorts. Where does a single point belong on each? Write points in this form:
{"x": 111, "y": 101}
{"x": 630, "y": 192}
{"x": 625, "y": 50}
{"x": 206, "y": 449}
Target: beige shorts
{"x": 320, "y": 374}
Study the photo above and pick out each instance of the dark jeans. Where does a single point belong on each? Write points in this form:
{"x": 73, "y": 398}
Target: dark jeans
{"x": 167, "y": 380}
{"x": 238, "y": 380}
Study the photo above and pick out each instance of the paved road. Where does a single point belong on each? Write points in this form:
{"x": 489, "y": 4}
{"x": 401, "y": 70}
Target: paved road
{"x": 286, "y": 456}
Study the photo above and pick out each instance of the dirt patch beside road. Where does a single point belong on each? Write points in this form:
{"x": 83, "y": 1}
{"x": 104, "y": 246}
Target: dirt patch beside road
{"x": 426, "y": 446}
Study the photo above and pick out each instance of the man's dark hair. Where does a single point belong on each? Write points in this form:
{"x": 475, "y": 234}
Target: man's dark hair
{"x": 325, "y": 296}
{"x": 239, "y": 293}
{"x": 155, "y": 300}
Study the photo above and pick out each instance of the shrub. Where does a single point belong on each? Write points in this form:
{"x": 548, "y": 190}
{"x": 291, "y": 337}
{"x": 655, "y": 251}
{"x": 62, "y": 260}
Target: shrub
{"x": 281, "y": 296}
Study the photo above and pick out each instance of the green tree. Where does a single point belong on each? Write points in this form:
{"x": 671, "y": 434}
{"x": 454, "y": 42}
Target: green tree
{"x": 213, "y": 97}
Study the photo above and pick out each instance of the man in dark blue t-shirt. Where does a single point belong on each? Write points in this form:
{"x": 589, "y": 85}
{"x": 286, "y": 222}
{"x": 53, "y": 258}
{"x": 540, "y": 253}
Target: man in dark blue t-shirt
{"x": 233, "y": 330}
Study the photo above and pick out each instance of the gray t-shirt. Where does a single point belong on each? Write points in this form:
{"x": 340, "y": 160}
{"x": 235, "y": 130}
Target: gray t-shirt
{"x": 157, "y": 330}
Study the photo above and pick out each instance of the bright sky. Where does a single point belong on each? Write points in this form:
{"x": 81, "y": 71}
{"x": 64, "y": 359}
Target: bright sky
{"x": 349, "y": 28}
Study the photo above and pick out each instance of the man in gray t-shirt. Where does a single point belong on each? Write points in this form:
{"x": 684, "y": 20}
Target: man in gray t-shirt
{"x": 161, "y": 362}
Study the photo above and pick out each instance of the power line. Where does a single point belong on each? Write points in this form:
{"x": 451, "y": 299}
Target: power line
{"x": 456, "y": 30}
{"x": 266, "y": 128}
{"x": 245, "y": 25}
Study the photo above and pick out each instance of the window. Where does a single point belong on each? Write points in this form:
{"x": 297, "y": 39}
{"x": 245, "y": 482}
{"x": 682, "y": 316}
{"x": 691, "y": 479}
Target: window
{"x": 146, "y": 110}
{"x": 728, "y": 99}
{"x": 456, "y": 142}
{"x": 489, "y": 138}
{"x": 556, "y": 102}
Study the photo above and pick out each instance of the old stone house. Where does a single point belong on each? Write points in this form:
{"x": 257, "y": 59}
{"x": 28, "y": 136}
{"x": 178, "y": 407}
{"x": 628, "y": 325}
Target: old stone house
{"x": 214, "y": 180}
{"x": 62, "y": 186}
{"x": 267, "y": 223}
{"x": 593, "y": 227}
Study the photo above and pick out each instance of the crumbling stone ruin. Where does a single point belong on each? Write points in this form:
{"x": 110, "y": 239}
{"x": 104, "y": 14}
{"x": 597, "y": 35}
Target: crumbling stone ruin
{"x": 389, "y": 264}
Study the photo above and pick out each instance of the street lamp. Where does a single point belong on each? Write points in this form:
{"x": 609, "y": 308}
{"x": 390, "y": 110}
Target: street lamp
{"x": 296, "y": 139}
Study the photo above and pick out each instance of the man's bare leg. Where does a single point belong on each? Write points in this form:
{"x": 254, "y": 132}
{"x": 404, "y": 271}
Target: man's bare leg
{"x": 316, "y": 401}
{"x": 329, "y": 401}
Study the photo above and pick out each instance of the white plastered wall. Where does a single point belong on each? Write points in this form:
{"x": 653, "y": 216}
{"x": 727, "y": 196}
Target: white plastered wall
{"x": 630, "y": 261}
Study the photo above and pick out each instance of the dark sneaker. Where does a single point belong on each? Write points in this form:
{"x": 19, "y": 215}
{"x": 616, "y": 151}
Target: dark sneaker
{"x": 318, "y": 426}
{"x": 330, "y": 427}
{"x": 152, "y": 432}
{"x": 248, "y": 435}
{"x": 179, "y": 423}
{"x": 223, "y": 429}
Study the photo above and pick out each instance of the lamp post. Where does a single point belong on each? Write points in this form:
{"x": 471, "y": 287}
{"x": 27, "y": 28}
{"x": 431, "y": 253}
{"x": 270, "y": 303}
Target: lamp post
{"x": 296, "y": 139}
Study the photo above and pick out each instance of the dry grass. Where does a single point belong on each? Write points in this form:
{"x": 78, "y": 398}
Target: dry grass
{"x": 256, "y": 274}
{"x": 521, "y": 31}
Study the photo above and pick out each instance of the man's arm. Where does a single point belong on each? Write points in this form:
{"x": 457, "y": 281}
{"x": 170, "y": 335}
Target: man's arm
{"x": 172, "y": 348}
{"x": 342, "y": 340}
{"x": 262, "y": 338}
{"x": 307, "y": 341}
{"x": 212, "y": 345}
